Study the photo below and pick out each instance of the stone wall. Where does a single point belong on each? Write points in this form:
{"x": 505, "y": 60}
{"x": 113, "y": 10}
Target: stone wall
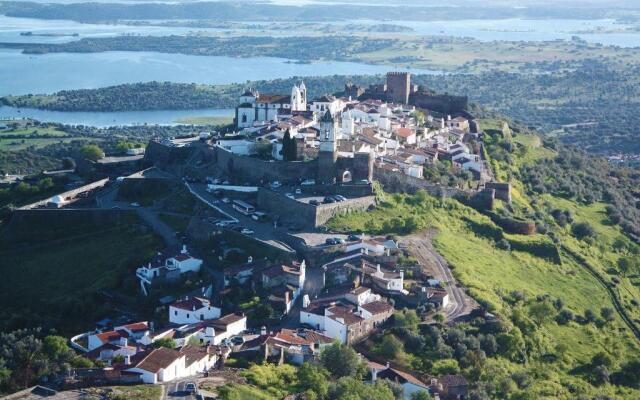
{"x": 162, "y": 155}
{"x": 293, "y": 211}
{"x": 503, "y": 190}
{"x": 255, "y": 170}
{"x": 399, "y": 182}
{"x": 324, "y": 212}
{"x": 71, "y": 194}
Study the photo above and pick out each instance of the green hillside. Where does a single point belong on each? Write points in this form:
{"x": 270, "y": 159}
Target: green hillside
{"x": 557, "y": 315}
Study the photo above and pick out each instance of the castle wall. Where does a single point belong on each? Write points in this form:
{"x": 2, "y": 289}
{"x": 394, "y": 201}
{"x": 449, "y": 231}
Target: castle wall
{"x": 293, "y": 211}
{"x": 254, "y": 169}
{"x": 445, "y": 104}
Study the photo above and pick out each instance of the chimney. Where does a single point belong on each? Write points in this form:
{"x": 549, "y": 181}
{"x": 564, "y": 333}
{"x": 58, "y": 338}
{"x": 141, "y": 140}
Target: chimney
{"x": 378, "y": 268}
{"x": 249, "y": 260}
{"x": 127, "y": 360}
{"x": 388, "y": 365}
{"x": 263, "y": 330}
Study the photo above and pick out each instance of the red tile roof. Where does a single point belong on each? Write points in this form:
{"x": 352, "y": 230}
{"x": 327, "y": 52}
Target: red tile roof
{"x": 191, "y": 303}
{"x": 158, "y": 359}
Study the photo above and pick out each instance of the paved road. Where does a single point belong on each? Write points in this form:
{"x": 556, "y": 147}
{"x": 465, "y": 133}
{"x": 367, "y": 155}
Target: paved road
{"x": 175, "y": 390}
{"x": 460, "y": 303}
{"x": 264, "y": 231}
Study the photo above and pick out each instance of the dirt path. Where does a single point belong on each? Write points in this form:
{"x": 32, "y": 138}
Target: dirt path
{"x": 420, "y": 246}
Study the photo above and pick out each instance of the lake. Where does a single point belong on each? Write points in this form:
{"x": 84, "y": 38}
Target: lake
{"x": 48, "y": 73}
{"x": 105, "y": 119}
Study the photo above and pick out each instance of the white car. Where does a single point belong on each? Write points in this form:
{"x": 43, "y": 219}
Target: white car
{"x": 291, "y": 196}
{"x": 246, "y": 231}
{"x": 308, "y": 182}
{"x": 135, "y": 204}
{"x": 226, "y": 200}
{"x": 275, "y": 184}
{"x": 298, "y": 191}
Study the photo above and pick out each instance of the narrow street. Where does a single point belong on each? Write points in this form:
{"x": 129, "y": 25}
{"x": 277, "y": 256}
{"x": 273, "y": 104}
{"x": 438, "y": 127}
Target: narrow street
{"x": 460, "y": 303}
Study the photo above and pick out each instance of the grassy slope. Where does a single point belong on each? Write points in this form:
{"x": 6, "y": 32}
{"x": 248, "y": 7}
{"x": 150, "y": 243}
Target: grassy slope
{"x": 491, "y": 273}
{"x": 58, "y": 280}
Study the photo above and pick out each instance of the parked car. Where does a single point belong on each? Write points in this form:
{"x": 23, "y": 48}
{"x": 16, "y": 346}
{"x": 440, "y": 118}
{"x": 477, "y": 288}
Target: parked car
{"x": 314, "y": 202}
{"x": 330, "y": 241}
{"x": 135, "y": 204}
{"x": 298, "y": 191}
{"x": 246, "y": 231}
{"x": 338, "y": 240}
{"x": 328, "y": 200}
{"x": 354, "y": 238}
{"x": 226, "y": 200}
{"x": 340, "y": 197}
{"x": 275, "y": 184}
{"x": 308, "y": 182}
{"x": 237, "y": 340}
{"x": 225, "y": 182}
{"x": 190, "y": 388}
{"x": 291, "y": 196}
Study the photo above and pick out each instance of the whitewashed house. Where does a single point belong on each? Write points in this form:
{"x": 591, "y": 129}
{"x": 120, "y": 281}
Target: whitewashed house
{"x": 159, "y": 365}
{"x": 120, "y": 335}
{"x": 192, "y": 310}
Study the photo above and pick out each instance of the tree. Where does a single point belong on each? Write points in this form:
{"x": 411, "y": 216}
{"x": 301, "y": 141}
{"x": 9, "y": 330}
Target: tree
{"x": 312, "y": 377}
{"x": 354, "y": 389}
{"x": 91, "y": 152}
{"x": 406, "y": 319}
{"x": 391, "y": 347}
{"x": 582, "y": 230}
{"x": 589, "y": 315}
{"x": 541, "y": 311}
{"x": 608, "y": 314}
{"x": 341, "y": 360}
{"x": 421, "y": 395}
{"x": 165, "y": 342}
{"x": 289, "y": 147}
{"x": 627, "y": 264}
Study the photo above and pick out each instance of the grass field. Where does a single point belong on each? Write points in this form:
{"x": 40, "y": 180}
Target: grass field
{"x": 213, "y": 120}
{"x": 58, "y": 280}
{"x": 491, "y": 274}
{"x": 20, "y": 144}
{"x": 137, "y": 392}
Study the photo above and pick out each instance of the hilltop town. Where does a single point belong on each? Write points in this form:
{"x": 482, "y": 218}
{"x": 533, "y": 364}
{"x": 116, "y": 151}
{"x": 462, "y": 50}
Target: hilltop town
{"x": 255, "y": 274}
{"x": 251, "y": 263}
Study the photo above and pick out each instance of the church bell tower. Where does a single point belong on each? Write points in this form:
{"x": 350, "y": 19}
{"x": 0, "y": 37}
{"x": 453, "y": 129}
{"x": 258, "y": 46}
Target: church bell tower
{"x": 328, "y": 154}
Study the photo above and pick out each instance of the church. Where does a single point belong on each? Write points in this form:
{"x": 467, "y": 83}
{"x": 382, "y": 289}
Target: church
{"x": 255, "y": 107}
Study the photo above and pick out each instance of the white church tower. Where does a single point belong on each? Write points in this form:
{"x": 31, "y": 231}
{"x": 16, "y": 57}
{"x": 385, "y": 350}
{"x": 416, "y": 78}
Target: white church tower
{"x": 299, "y": 98}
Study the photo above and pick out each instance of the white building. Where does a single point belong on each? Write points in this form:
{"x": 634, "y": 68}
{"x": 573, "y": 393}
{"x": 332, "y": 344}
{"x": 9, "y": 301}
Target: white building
{"x": 410, "y": 384}
{"x": 217, "y": 331}
{"x": 344, "y": 322}
{"x": 120, "y": 335}
{"x": 165, "y": 365}
{"x": 255, "y": 107}
{"x": 182, "y": 263}
{"x": 192, "y": 310}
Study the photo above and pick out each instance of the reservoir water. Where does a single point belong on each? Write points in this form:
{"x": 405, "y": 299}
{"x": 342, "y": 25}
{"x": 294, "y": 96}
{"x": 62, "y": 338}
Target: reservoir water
{"x": 105, "y": 119}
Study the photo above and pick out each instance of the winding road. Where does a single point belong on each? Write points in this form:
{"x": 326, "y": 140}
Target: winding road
{"x": 460, "y": 303}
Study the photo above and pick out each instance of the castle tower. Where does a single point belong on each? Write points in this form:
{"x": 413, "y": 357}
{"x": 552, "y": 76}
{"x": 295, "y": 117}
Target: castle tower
{"x": 398, "y": 87}
{"x": 328, "y": 154}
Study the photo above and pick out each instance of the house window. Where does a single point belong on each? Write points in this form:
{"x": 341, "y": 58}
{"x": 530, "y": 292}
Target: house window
{"x": 201, "y": 317}
{"x": 244, "y": 118}
{"x": 175, "y": 312}
{"x": 187, "y": 315}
